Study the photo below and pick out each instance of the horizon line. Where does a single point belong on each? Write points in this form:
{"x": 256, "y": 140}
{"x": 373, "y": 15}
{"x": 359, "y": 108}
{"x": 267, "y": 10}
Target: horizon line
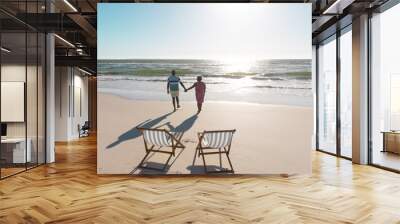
{"x": 211, "y": 59}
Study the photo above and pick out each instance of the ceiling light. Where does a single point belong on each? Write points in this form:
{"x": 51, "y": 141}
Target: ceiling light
{"x": 335, "y": 7}
{"x": 84, "y": 71}
{"x": 79, "y": 51}
{"x": 5, "y": 50}
{"x": 70, "y": 5}
{"x": 65, "y": 41}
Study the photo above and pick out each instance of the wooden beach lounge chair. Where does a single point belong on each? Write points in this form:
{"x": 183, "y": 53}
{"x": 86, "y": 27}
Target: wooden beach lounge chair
{"x": 210, "y": 141}
{"x": 156, "y": 139}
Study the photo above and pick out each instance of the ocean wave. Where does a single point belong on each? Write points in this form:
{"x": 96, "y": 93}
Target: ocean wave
{"x": 145, "y": 72}
{"x": 269, "y": 70}
{"x": 278, "y": 87}
{"x": 191, "y": 73}
{"x": 302, "y": 75}
{"x": 232, "y": 75}
{"x": 166, "y": 73}
{"x": 268, "y": 78}
{"x": 151, "y": 80}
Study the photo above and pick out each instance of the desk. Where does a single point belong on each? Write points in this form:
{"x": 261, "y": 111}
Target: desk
{"x": 13, "y": 150}
{"x": 391, "y": 141}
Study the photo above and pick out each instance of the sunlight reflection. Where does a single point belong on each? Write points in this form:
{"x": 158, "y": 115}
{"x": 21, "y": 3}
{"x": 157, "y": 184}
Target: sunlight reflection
{"x": 237, "y": 65}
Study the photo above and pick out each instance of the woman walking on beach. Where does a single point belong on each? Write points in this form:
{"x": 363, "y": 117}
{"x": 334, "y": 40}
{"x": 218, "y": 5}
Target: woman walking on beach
{"x": 200, "y": 88}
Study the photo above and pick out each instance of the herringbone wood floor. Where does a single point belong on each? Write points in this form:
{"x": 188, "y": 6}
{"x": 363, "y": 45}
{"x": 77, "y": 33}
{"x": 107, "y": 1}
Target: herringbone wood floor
{"x": 69, "y": 191}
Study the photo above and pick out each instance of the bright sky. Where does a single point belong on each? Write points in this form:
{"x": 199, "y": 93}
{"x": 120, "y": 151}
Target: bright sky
{"x": 204, "y": 31}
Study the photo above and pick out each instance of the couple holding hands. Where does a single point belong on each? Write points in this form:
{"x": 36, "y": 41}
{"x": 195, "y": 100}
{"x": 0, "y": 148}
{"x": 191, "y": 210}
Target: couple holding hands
{"x": 173, "y": 89}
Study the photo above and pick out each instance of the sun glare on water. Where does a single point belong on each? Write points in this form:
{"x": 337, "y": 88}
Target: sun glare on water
{"x": 243, "y": 69}
{"x": 237, "y": 65}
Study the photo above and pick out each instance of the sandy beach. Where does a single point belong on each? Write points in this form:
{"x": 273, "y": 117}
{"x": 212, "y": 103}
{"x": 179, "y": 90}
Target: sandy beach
{"x": 270, "y": 139}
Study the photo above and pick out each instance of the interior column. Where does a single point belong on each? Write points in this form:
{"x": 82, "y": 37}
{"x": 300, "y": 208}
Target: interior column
{"x": 50, "y": 92}
{"x": 360, "y": 90}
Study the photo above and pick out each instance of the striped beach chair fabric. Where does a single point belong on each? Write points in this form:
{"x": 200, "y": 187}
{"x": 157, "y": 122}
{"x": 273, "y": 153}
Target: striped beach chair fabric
{"x": 221, "y": 140}
{"x": 156, "y": 139}
{"x": 217, "y": 140}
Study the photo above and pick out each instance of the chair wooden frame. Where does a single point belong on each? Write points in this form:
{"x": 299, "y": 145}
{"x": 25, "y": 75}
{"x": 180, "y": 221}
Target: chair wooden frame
{"x": 175, "y": 143}
{"x": 226, "y": 150}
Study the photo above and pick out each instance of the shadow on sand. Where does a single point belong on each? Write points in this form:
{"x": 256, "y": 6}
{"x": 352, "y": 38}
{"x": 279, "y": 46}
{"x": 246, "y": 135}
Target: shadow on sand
{"x": 184, "y": 126}
{"x": 134, "y": 132}
{"x": 150, "y": 167}
{"x": 199, "y": 169}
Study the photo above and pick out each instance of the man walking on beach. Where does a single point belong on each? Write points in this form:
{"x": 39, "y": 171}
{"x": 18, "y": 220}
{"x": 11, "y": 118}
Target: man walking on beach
{"x": 173, "y": 88}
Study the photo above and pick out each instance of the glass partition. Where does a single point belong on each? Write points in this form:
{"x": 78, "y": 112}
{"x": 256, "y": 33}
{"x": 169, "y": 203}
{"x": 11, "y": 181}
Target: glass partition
{"x": 346, "y": 93}
{"x": 14, "y": 153}
{"x": 31, "y": 99}
{"x": 327, "y": 95}
{"x": 385, "y": 89}
{"x": 22, "y": 78}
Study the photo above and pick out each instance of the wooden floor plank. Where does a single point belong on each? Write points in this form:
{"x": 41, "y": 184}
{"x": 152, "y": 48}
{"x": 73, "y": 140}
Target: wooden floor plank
{"x": 70, "y": 191}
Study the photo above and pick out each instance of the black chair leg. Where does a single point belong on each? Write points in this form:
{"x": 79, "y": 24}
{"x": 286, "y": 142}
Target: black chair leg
{"x": 230, "y": 163}
{"x": 204, "y": 160}
{"x": 144, "y": 159}
{"x": 198, "y": 151}
{"x": 166, "y": 164}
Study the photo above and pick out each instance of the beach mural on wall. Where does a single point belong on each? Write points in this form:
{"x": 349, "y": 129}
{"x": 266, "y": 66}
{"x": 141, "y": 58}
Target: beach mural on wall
{"x": 204, "y": 88}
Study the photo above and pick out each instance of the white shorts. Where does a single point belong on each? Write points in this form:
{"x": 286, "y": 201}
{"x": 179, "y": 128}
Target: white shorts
{"x": 174, "y": 93}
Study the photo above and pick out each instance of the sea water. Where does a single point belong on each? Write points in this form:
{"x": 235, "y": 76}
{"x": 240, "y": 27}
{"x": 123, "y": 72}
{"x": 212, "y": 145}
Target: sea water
{"x": 282, "y": 82}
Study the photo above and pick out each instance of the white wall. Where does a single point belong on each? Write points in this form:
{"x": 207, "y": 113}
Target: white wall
{"x": 16, "y": 73}
{"x": 62, "y": 81}
{"x": 70, "y": 83}
{"x": 81, "y": 84}
{"x": 33, "y": 126}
